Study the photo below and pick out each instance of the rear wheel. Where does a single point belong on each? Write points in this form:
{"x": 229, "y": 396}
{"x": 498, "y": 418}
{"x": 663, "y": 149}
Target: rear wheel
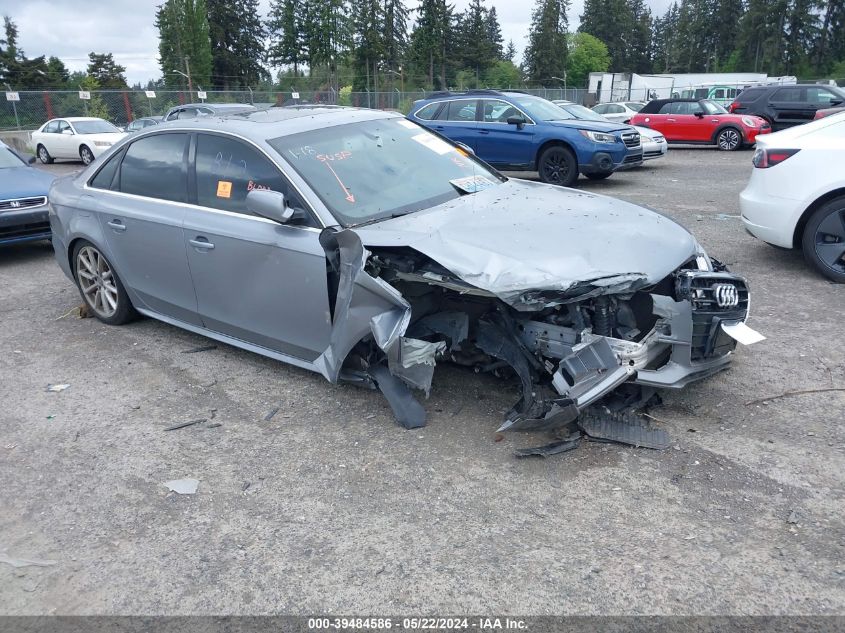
{"x": 729, "y": 139}
{"x": 99, "y": 285}
{"x": 557, "y": 166}
{"x": 44, "y": 155}
{"x": 598, "y": 175}
{"x": 86, "y": 155}
{"x": 824, "y": 240}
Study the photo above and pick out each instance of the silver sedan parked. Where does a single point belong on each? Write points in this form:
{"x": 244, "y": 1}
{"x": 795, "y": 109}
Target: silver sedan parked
{"x": 359, "y": 245}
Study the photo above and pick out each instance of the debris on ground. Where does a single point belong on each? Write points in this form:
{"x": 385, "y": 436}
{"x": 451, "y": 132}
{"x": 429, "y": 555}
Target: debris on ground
{"x": 182, "y": 425}
{"x": 57, "y": 388}
{"x": 560, "y": 446}
{"x": 788, "y": 394}
{"x": 197, "y": 350}
{"x": 24, "y": 562}
{"x": 794, "y": 518}
{"x": 271, "y": 413}
{"x": 183, "y": 486}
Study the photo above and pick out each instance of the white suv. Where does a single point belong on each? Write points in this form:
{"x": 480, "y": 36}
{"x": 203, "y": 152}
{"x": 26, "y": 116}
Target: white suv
{"x": 796, "y": 195}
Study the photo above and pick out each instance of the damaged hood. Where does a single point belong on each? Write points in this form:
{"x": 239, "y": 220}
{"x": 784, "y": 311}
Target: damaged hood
{"x": 532, "y": 244}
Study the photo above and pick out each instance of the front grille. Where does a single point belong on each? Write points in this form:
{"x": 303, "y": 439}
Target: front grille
{"x": 14, "y": 204}
{"x": 635, "y": 158}
{"x": 715, "y": 297}
{"x": 652, "y": 153}
{"x": 22, "y": 231}
{"x": 631, "y": 139}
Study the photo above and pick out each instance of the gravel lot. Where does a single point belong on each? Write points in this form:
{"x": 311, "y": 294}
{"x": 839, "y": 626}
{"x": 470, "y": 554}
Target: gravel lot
{"x": 330, "y": 507}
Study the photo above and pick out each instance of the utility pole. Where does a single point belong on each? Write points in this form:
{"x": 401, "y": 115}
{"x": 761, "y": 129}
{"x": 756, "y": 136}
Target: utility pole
{"x": 188, "y": 75}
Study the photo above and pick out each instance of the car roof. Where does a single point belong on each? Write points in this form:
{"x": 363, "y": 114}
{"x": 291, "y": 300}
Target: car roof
{"x": 260, "y": 125}
{"x": 76, "y": 119}
{"x": 653, "y": 106}
{"x": 214, "y": 106}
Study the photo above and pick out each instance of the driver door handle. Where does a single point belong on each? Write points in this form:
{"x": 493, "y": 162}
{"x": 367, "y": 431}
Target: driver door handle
{"x": 670, "y": 120}
{"x": 201, "y": 243}
{"x": 117, "y": 225}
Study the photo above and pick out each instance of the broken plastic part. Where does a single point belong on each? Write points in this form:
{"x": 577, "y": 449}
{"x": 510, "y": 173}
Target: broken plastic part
{"x": 407, "y": 409}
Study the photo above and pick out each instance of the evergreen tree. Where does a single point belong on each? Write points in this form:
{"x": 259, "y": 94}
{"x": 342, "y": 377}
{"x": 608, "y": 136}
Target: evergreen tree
{"x": 612, "y": 22}
{"x": 639, "y": 55}
{"x": 369, "y": 44}
{"x": 476, "y": 52}
{"x": 328, "y": 34}
{"x": 494, "y": 34}
{"x": 103, "y": 69}
{"x": 510, "y": 52}
{"x": 394, "y": 35}
{"x": 237, "y": 47}
{"x": 431, "y": 41}
{"x": 286, "y": 28}
{"x": 183, "y": 37}
{"x": 545, "y": 56}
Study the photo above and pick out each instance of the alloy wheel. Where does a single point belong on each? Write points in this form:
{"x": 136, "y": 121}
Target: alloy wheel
{"x": 728, "y": 139}
{"x": 829, "y": 243}
{"x": 556, "y": 168}
{"x": 86, "y": 155}
{"x": 97, "y": 281}
{"x": 43, "y": 156}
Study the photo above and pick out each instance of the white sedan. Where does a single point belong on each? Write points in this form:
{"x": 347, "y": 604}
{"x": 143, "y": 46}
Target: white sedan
{"x": 78, "y": 138}
{"x": 796, "y": 195}
{"x": 620, "y": 112}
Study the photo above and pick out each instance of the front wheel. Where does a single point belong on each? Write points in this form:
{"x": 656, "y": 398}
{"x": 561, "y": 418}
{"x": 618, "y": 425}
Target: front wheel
{"x": 824, "y": 240}
{"x": 86, "y": 155}
{"x": 729, "y": 139}
{"x": 598, "y": 175}
{"x": 99, "y": 285}
{"x": 557, "y": 166}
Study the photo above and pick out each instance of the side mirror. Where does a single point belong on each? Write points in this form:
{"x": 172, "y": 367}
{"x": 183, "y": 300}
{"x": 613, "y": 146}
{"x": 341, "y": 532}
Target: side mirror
{"x": 269, "y": 204}
{"x": 518, "y": 121}
{"x": 68, "y": 132}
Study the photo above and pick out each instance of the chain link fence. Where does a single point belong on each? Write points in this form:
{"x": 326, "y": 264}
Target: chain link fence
{"x": 123, "y": 106}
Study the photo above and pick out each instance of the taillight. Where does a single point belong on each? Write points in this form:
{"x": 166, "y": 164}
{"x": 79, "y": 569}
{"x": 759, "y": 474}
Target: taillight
{"x": 765, "y": 158}
{"x": 733, "y": 107}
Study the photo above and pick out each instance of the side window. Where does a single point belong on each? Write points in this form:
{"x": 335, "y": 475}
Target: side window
{"x": 694, "y": 108}
{"x": 667, "y": 108}
{"x": 616, "y": 109}
{"x": 187, "y": 113}
{"x": 155, "y": 167}
{"x": 790, "y": 95}
{"x": 63, "y": 125}
{"x": 821, "y": 97}
{"x": 443, "y": 113}
{"x": 427, "y": 113}
{"x": 51, "y": 128}
{"x": 228, "y": 169}
{"x": 601, "y": 109}
{"x": 498, "y": 111}
{"x": 463, "y": 110}
{"x": 105, "y": 177}
{"x": 719, "y": 93}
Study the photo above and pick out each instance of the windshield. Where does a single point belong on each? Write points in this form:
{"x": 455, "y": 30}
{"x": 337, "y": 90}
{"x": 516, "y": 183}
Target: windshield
{"x": 541, "y": 109}
{"x": 8, "y": 159}
{"x": 580, "y": 112}
{"x": 94, "y": 127}
{"x": 711, "y": 107}
{"x": 372, "y": 170}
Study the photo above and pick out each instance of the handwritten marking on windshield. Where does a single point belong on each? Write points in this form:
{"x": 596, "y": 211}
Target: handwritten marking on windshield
{"x": 336, "y": 156}
{"x": 349, "y": 197}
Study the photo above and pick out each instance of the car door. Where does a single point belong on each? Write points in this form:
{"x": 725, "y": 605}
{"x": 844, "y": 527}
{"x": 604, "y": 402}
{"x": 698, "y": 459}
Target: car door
{"x": 255, "y": 279}
{"x": 789, "y": 106}
{"x": 46, "y": 136}
{"x": 698, "y": 126}
{"x": 501, "y": 143}
{"x": 664, "y": 120}
{"x": 65, "y": 141}
{"x": 819, "y": 98}
{"x": 141, "y": 209}
{"x": 457, "y": 121}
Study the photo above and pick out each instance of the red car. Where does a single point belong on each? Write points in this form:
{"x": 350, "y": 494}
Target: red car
{"x": 700, "y": 121}
{"x": 820, "y": 114}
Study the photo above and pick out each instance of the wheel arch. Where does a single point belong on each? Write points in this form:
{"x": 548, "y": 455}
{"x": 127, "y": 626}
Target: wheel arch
{"x": 554, "y": 142}
{"x": 818, "y": 202}
{"x": 725, "y": 126}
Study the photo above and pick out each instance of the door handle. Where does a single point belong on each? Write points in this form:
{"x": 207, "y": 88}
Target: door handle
{"x": 670, "y": 120}
{"x": 714, "y": 120}
{"x": 438, "y": 127}
{"x": 117, "y": 225}
{"x": 201, "y": 243}
{"x": 484, "y": 132}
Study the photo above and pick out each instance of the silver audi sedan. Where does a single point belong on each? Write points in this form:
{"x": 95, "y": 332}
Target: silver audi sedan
{"x": 359, "y": 245}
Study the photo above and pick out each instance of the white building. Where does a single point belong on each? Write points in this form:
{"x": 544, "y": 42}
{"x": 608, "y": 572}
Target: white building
{"x": 630, "y": 86}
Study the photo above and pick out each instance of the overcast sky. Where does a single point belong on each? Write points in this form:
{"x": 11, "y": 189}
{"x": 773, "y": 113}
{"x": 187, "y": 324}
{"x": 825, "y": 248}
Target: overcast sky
{"x": 70, "y": 29}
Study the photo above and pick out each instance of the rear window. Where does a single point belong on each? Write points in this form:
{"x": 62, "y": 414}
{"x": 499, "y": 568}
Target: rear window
{"x": 155, "y": 167}
{"x": 788, "y": 94}
{"x": 750, "y": 94}
{"x": 427, "y": 113}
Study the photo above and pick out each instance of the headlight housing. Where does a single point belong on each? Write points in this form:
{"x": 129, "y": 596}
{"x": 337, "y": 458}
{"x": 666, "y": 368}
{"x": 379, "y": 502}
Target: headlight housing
{"x": 103, "y": 143}
{"x": 747, "y": 120}
{"x": 599, "y": 137}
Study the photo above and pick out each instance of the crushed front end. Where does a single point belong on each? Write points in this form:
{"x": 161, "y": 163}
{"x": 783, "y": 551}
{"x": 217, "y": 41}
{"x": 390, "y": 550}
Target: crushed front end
{"x": 569, "y": 349}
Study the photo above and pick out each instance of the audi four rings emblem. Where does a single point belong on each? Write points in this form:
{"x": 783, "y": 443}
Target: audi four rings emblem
{"x": 726, "y": 295}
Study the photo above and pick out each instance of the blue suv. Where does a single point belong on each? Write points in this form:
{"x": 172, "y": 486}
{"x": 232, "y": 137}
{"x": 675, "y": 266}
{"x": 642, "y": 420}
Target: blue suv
{"x": 514, "y": 131}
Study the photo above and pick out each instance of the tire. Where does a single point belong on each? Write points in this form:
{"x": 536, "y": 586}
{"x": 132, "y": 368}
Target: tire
{"x": 599, "y": 175}
{"x": 729, "y": 139}
{"x": 86, "y": 155}
{"x": 43, "y": 155}
{"x": 823, "y": 241}
{"x": 93, "y": 272}
{"x": 557, "y": 166}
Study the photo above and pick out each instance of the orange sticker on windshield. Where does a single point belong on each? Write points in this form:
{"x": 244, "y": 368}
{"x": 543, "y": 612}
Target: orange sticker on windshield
{"x": 224, "y": 189}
